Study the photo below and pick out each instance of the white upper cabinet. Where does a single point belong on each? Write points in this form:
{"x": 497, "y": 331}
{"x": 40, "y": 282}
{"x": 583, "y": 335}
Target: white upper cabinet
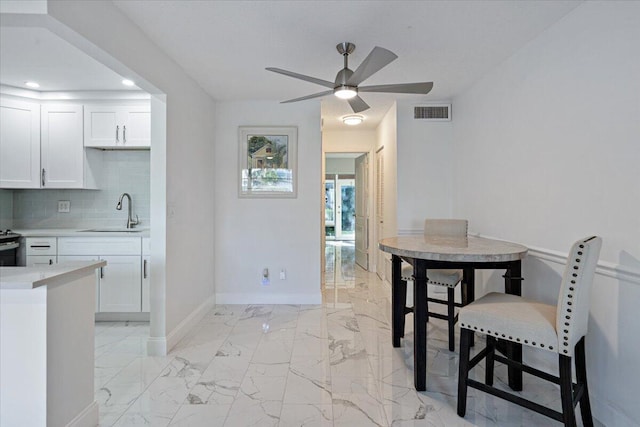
{"x": 62, "y": 152}
{"x": 117, "y": 127}
{"x": 19, "y": 144}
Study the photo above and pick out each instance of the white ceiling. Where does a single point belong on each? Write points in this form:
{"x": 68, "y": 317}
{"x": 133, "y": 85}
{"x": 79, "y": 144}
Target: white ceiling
{"x": 36, "y": 54}
{"x": 226, "y": 45}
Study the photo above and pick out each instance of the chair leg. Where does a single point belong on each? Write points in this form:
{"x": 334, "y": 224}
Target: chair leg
{"x": 581, "y": 377}
{"x": 491, "y": 350}
{"x": 463, "y": 371}
{"x": 451, "y": 317}
{"x": 566, "y": 392}
{"x": 402, "y": 296}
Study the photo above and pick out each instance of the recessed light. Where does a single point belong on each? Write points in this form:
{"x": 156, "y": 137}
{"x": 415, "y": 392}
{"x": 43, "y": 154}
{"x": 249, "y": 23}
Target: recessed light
{"x": 33, "y": 85}
{"x": 352, "y": 120}
{"x": 128, "y": 82}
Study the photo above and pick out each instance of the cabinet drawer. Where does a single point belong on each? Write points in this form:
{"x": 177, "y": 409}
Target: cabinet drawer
{"x": 33, "y": 260}
{"x": 41, "y": 245}
{"x": 99, "y": 246}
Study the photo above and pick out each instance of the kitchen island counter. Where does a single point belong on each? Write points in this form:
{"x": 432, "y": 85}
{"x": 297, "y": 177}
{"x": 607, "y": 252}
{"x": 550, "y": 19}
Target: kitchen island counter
{"x": 51, "y": 275}
{"x": 47, "y": 345}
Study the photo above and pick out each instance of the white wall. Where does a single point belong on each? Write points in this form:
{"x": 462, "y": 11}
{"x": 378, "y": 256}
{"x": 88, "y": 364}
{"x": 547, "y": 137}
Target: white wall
{"x": 339, "y": 166}
{"x": 425, "y": 169}
{"x": 547, "y": 151}
{"x": 100, "y": 29}
{"x": 387, "y": 143}
{"x": 253, "y": 234}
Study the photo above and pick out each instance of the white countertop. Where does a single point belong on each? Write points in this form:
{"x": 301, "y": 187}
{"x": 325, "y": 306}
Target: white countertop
{"x": 82, "y": 232}
{"x": 33, "y": 277}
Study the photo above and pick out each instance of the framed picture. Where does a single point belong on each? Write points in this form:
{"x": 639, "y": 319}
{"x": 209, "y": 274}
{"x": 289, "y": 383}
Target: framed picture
{"x": 268, "y": 162}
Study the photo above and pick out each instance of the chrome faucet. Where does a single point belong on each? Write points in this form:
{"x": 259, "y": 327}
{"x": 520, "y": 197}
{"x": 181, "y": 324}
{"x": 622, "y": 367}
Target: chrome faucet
{"x": 130, "y": 221}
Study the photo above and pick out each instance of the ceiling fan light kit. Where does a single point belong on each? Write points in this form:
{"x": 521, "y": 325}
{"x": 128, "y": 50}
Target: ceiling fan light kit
{"x": 346, "y": 92}
{"x": 346, "y": 84}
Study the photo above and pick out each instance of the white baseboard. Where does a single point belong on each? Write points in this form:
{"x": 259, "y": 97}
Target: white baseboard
{"x": 157, "y": 346}
{"x": 180, "y": 331}
{"x": 88, "y": 417}
{"x": 245, "y": 298}
{"x": 122, "y": 317}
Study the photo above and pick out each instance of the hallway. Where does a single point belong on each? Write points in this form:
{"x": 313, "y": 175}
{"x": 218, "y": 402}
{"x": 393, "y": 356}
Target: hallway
{"x": 290, "y": 365}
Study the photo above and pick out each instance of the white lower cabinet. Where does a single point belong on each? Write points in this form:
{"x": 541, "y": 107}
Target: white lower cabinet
{"x": 33, "y": 260}
{"x": 65, "y": 258}
{"x": 119, "y": 284}
{"x": 146, "y": 284}
{"x": 38, "y": 251}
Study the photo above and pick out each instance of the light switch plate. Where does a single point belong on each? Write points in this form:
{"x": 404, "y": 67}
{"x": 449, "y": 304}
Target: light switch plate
{"x": 64, "y": 206}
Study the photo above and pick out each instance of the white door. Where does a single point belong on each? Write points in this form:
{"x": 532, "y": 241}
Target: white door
{"x": 345, "y": 225}
{"x": 136, "y": 127}
{"x": 62, "y": 153}
{"x": 146, "y": 284}
{"x": 66, "y": 258}
{"x": 362, "y": 214}
{"x": 120, "y": 284}
{"x": 19, "y": 144}
{"x": 101, "y": 126}
{"x": 381, "y": 258}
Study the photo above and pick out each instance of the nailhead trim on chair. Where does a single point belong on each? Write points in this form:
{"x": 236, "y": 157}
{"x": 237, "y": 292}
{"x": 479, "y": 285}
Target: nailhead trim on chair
{"x": 431, "y": 282}
{"x": 565, "y": 337}
{"x": 510, "y": 338}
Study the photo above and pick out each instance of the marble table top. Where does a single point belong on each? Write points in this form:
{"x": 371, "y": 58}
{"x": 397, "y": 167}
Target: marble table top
{"x": 36, "y": 276}
{"x": 460, "y": 249}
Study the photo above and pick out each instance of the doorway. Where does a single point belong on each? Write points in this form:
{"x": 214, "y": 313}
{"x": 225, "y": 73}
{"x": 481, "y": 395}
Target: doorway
{"x": 345, "y": 215}
{"x": 340, "y": 208}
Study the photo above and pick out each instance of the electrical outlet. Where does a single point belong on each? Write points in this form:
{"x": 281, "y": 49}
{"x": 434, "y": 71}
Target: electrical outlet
{"x": 265, "y": 277}
{"x": 283, "y": 274}
{"x": 64, "y": 206}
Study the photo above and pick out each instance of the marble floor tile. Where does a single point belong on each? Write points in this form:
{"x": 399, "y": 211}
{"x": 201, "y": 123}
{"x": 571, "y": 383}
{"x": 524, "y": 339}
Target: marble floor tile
{"x": 330, "y": 364}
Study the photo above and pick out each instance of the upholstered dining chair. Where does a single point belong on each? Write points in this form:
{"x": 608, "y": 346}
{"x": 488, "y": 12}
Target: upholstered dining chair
{"x": 446, "y": 278}
{"x": 560, "y": 329}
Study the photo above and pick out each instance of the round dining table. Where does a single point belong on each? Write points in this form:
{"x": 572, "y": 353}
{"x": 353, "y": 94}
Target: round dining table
{"x": 426, "y": 252}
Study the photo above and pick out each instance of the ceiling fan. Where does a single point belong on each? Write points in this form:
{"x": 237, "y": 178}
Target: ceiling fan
{"x": 346, "y": 83}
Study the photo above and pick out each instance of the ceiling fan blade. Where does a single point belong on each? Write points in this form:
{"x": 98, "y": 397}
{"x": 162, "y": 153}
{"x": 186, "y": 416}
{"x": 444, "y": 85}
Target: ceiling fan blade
{"x": 418, "y": 88}
{"x": 302, "y": 98}
{"x": 377, "y": 60}
{"x": 357, "y": 104}
{"x": 325, "y": 83}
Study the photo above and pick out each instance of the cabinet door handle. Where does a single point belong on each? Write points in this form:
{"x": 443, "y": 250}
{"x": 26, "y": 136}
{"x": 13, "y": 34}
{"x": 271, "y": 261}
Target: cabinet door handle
{"x": 50, "y": 261}
{"x": 144, "y": 269}
{"x": 43, "y": 176}
{"x": 117, "y": 133}
{"x": 102, "y": 272}
{"x": 124, "y": 134}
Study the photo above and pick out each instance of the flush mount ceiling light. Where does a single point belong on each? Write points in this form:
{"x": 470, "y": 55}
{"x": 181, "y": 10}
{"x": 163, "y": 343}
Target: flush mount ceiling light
{"x": 128, "y": 82}
{"x": 33, "y": 85}
{"x": 352, "y": 120}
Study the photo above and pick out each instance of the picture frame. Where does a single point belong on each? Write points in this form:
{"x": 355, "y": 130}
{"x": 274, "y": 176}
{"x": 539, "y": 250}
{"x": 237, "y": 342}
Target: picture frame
{"x": 268, "y": 161}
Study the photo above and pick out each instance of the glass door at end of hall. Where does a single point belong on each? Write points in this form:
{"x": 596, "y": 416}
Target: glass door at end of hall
{"x": 340, "y": 209}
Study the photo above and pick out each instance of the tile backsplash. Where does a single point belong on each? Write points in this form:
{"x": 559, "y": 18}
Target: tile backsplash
{"x": 124, "y": 172}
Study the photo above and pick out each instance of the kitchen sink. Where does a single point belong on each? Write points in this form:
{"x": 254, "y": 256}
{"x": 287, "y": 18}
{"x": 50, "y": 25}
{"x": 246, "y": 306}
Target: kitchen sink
{"x": 114, "y": 230}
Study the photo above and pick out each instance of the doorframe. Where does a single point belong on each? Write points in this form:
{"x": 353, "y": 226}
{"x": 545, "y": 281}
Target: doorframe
{"x": 346, "y": 146}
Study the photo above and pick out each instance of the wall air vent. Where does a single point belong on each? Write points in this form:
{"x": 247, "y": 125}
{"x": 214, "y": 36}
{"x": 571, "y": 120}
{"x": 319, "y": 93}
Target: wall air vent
{"x": 439, "y": 113}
